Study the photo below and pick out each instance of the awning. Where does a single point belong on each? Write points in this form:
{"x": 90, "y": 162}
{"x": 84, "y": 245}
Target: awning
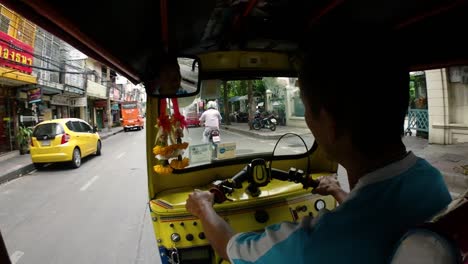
{"x": 238, "y": 98}
{"x": 13, "y": 77}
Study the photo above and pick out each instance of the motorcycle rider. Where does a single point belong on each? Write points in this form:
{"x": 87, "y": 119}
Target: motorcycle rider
{"x": 211, "y": 118}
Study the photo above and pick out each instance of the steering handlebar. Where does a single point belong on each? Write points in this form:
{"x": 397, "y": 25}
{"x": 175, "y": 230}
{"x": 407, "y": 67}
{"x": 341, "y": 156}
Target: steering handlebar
{"x": 258, "y": 175}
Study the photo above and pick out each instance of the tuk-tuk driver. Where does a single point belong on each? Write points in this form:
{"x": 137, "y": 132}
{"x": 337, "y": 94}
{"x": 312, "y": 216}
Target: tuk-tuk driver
{"x": 391, "y": 188}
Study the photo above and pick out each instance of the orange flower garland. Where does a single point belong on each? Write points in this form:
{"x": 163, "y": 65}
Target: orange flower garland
{"x": 169, "y": 156}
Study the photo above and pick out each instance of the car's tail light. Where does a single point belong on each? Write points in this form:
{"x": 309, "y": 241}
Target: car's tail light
{"x": 65, "y": 138}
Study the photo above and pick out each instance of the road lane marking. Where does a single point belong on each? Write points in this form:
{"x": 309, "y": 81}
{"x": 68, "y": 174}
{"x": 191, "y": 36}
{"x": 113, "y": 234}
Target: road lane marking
{"x": 121, "y": 155}
{"x": 86, "y": 186}
{"x": 16, "y": 256}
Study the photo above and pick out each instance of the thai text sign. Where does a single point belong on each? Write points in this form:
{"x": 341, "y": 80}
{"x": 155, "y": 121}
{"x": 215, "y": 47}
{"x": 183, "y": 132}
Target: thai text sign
{"x": 15, "y": 54}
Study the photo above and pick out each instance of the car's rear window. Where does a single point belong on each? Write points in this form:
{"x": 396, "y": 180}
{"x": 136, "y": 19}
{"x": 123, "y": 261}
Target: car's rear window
{"x": 50, "y": 130}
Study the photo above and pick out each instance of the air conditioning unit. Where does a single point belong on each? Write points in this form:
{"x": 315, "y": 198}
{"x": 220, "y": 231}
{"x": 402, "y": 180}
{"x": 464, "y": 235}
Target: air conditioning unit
{"x": 45, "y": 75}
{"x": 465, "y": 79}
{"x": 464, "y": 74}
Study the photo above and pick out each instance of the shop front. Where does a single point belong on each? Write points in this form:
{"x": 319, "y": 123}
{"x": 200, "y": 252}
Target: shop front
{"x": 100, "y": 113}
{"x": 15, "y": 72}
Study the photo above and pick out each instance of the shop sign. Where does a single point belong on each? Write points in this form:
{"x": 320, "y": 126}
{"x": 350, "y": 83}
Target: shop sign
{"x": 59, "y": 100}
{"x": 100, "y": 103}
{"x": 78, "y": 102}
{"x": 34, "y": 95}
{"x": 116, "y": 94}
{"x": 15, "y": 54}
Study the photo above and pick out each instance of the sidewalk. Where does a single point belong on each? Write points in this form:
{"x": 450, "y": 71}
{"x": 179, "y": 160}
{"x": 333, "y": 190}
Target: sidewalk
{"x": 265, "y": 133}
{"x": 14, "y": 165}
{"x": 451, "y": 160}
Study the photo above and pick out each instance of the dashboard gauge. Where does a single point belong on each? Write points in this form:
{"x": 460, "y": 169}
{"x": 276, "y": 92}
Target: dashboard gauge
{"x": 319, "y": 204}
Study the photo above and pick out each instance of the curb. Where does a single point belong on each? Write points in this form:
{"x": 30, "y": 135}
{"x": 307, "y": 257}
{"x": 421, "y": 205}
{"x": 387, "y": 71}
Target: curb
{"x": 30, "y": 167}
{"x": 251, "y": 133}
{"x": 111, "y": 134}
{"x": 17, "y": 173}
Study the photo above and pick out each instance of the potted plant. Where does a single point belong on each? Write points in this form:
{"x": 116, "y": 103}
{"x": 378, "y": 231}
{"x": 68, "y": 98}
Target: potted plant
{"x": 24, "y": 137}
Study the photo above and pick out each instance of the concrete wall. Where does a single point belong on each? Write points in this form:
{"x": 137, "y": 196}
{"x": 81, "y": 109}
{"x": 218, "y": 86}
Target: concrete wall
{"x": 448, "y": 108}
{"x": 291, "y": 120}
{"x": 436, "y": 81}
{"x": 458, "y": 103}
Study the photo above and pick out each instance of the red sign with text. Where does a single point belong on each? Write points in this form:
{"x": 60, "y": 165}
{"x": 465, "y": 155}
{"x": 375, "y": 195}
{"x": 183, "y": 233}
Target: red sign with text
{"x": 15, "y": 54}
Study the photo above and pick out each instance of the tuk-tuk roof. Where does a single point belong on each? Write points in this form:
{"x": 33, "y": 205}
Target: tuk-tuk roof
{"x": 128, "y": 35}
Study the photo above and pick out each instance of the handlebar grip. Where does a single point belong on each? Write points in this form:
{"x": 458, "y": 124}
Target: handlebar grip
{"x": 313, "y": 183}
{"x": 280, "y": 175}
{"x": 219, "y": 196}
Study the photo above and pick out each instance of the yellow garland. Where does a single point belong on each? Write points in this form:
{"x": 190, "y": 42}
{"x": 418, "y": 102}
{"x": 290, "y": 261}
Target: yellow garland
{"x": 168, "y": 150}
{"x": 180, "y": 164}
{"x": 160, "y": 169}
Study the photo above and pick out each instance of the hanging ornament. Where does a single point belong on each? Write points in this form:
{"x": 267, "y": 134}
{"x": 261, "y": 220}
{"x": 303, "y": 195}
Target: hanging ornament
{"x": 169, "y": 147}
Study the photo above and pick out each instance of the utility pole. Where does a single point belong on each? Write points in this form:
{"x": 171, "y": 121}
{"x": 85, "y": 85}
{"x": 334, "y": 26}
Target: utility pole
{"x": 226, "y": 103}
{"x": 109, "y": 116}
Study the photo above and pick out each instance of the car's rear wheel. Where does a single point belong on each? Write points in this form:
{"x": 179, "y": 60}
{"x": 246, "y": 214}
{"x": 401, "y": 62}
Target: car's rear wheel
{"x": 76, "y": 158}
{"x": 98, "y": 148}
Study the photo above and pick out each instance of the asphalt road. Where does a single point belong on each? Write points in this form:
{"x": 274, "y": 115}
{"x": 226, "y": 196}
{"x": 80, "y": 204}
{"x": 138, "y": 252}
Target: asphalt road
{"x": 97, "y": 213}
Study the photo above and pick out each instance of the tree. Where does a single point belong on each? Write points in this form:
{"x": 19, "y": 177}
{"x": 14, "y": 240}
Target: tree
{"x": 226, "y": 103}
{"x": 251, "y": 103}
{"x": 272, "y": 84}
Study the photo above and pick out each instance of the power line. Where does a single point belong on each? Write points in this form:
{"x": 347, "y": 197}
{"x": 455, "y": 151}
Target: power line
{"x": 40, "y": 57}
{"x": 42, "y": 68}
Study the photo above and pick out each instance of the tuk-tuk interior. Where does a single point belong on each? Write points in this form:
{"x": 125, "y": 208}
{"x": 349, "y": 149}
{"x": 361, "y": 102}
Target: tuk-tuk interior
{"x": 236, "y": 40}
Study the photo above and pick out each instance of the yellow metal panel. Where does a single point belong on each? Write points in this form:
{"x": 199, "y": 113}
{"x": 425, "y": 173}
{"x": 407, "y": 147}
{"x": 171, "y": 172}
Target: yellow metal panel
{"x": 18, "y": 76}
{"x": 244, "y": 60}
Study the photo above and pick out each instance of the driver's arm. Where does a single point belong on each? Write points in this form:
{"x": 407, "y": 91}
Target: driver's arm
{"x": 202, "y": 118}
{"x": 329, "y": 185}
{"x": 244, "y": 247}
{"x": 219, "y": 119}
{"x": 217, "y": 231}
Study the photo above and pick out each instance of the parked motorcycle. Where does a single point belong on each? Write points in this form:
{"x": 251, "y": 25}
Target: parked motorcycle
{"x": 260, "y": 121}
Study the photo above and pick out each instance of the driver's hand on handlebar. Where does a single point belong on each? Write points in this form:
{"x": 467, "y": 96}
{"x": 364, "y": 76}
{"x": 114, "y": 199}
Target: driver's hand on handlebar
{"x": 198, "y": 202}
{"x": 328, "y": 185}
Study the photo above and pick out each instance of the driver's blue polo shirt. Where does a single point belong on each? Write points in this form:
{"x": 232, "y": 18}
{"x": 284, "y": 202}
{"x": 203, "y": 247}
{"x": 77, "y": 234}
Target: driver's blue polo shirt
{"x": 363, "y": 229}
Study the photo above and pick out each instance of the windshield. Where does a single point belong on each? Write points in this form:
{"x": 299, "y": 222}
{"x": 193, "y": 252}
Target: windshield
{"x": 129, "y": 106}
{"x": 49, "y": 129}
{"x": 239, "y": 118}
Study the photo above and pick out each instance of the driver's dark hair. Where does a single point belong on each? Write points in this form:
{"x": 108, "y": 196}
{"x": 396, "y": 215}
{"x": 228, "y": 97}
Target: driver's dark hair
{"x": 361, "y": 79}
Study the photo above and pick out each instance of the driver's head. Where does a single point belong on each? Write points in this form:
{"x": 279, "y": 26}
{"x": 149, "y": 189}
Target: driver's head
{"x": 211, "y": 105}
{"x": 355, "y": 91}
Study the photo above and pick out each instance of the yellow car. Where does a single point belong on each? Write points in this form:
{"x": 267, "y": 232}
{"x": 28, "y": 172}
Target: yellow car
{"x": 63, "y": 140}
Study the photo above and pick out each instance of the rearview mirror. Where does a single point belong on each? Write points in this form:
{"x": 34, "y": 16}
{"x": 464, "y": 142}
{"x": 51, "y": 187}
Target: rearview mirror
{"x": 175, "y": 78}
